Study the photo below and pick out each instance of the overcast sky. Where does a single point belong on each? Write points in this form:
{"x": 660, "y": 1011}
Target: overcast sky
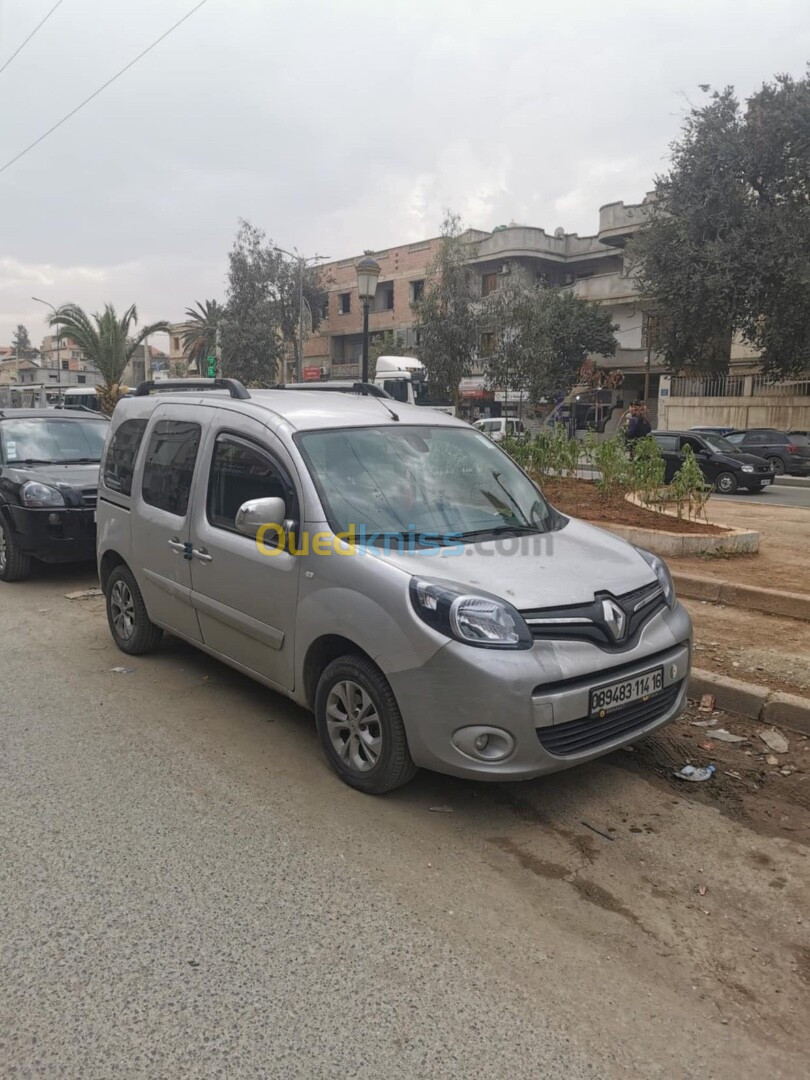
{"x": 336, "y": 125}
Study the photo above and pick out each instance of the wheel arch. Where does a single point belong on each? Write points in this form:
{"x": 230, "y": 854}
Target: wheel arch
{"x": 109, "y": 561}
{"x": 321, "y": 652}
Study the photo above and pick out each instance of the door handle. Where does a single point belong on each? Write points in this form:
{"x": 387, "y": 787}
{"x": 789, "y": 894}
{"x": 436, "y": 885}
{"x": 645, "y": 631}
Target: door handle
{"x": 176, "y": 545}
{"x": 201, "y": 554}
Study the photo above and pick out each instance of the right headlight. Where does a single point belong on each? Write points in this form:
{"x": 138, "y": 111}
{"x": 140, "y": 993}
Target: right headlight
{"x": 486, "y": 622}
{"x": 661, "y": 571}
{"x": 32, "y": 493}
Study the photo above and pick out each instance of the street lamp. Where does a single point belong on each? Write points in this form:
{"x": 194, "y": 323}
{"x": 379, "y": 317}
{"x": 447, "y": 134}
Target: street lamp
{"x": 58, "y": 345}
{"x": 368, "y": 271}
{"x": 302, "y": 261}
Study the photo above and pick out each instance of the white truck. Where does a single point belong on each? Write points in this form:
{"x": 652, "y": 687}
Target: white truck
{"x": 404, "y": 378}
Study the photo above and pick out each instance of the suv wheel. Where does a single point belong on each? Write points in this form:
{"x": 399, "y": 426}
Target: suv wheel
{"x": 777, "y": 465}
{"x": 726, "y": 483}
{"x": 15, "y": 565}
{"x": 130, "y": 626}
{"x": 360, "y": 726}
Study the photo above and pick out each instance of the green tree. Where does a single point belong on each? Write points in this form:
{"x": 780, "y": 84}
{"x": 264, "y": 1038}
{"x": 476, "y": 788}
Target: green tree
{"x": 447, "y": 315}
{"x": 106, "y": 340}
{"x": 199, "y": 332}
{"x": 541, "y": 336}
{"x": 285, "y": 287}
{"x": 726, "y": 249}
{"x": 251, "y": 332}
{"x": 21, "y": 343}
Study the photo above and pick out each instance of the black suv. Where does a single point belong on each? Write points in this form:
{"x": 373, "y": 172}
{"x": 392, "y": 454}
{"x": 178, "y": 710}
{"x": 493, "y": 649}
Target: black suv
{"x": 49, "y": 464}
{"x": 784, "y": 452}
{"x": 721, "y": 463}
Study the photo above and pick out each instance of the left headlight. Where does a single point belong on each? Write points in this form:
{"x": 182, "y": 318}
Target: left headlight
{"x": 486, "y": 622}
{"x": 661, "y": 571}
{"x": 32, "y": 493}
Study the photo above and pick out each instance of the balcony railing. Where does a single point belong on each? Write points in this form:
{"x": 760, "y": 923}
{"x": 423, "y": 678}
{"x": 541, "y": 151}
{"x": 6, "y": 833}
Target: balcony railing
{"x": 737, "y": 386}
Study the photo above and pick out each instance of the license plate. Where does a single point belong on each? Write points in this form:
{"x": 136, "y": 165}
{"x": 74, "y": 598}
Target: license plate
{"x": 616, "y": 695}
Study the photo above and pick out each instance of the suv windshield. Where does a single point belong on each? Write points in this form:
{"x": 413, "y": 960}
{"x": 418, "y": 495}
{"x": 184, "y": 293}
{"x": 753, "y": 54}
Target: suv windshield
{"x": 443, "y": 481}
{"x": 36, "y": 439}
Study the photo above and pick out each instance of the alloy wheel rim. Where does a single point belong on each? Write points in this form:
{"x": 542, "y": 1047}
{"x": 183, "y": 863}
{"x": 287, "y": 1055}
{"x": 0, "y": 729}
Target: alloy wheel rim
{"x": 725, "y": 484}
{"x": 122, "y": 610}
{"x": 3, "y": 550}
{"x": 354, "y": 726}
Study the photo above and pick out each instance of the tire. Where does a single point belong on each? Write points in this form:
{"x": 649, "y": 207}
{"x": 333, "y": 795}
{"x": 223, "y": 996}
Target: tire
{"x": 777, "y": 465}
{"x": 725, "y": 483}
{"x": 15, "y": 565}
{"x": 130, "y": 626}
{"x": 371, "y": 756}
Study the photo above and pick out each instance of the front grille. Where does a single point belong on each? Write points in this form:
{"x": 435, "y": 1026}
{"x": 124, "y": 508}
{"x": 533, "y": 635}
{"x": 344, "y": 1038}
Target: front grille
{"x": 584, "y": 622}
{"x": 764, "y": 468}
{"x": 89, "y": 496}
{"x": 574, "y": 737}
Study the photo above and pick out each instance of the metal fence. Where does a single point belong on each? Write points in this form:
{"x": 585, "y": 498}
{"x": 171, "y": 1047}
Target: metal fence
{"x": 708, "y": 386}
{"x": 737, "y": 386}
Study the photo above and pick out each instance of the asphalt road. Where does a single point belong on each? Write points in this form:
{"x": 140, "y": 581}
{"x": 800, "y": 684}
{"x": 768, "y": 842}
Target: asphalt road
{"x": 778, "y": 494}
{"x": 187, "y": 891}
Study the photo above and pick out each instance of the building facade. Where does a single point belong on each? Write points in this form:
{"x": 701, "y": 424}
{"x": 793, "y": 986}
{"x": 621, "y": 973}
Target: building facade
{"x": 593, "y": 267}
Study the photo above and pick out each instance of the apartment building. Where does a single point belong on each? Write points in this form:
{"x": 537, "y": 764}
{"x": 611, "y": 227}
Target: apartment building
{"x": 592, "y": 266}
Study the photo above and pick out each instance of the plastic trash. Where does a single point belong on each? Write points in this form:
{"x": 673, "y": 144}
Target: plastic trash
{"x": 774, "y": 740}
{"x": 726, "y": 736}
{"x": 691, "y": 772}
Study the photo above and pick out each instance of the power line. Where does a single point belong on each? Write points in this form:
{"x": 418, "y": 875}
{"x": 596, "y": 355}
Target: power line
{"x": 104, "y": 86}
{"x": 37, "y": 27}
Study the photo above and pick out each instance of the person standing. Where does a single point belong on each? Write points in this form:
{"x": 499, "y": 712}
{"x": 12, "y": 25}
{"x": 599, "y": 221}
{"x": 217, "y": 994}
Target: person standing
{"x": 637, "y": 425}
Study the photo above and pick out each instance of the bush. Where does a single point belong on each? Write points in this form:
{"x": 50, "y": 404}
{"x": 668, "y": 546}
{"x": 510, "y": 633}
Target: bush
{"x": 610, "y": 458}
{"x": 688, "y": 489}
{"x": 647, "y": 471}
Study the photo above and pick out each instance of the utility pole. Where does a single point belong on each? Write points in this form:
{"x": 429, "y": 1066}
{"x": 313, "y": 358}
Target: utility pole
{"x": 650, "y": 331}
{"x": 302, "y": 261}
{"x": 58, "y": 349}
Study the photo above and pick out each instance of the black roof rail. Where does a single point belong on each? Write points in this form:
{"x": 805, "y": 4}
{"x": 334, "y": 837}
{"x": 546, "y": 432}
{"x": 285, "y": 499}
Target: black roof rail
{"x": 233, "y": 386}
{"x": 337, "y": 387}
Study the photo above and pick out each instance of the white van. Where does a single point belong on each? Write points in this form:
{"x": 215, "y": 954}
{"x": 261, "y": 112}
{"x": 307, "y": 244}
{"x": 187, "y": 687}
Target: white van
{"x": 501, "y": 427}
{"x": 405, "y": 379}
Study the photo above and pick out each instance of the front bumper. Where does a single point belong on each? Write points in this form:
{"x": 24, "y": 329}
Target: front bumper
{"x": 540, "y": 695}
{"x": 56, "y": 535}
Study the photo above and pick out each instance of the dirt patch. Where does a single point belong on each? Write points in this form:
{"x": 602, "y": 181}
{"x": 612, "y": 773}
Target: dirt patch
{"x": 765, "y": 649}
{"x": 780, "y": 563}
{"x": 745, "y": 787}
{"x": 582, "y": 499}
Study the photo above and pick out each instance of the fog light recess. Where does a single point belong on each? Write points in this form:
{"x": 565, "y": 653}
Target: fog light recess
{"x": 484, "y": 743}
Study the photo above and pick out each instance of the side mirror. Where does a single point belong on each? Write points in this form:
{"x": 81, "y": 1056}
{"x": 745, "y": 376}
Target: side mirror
{"x": 257, "y": 512}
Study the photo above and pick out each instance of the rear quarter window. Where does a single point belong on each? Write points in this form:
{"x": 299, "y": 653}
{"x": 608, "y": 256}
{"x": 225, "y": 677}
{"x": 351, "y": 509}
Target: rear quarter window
{"x": 119, "y": 463}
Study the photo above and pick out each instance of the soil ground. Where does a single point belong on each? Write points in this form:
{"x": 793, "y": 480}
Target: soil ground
{"x": 582, "y": 499}
{"x": 765, "y": 649}
{"x": 783, "y": 559}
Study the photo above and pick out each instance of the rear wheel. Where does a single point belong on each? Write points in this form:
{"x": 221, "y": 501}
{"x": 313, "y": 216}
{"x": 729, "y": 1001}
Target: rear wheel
{"x": 726, "y": 483}
{"x": 130, "y": 626}
{"x": 777, "y": 465}
{"x": 15, "y": 565}
{"x": 360, "y": 726}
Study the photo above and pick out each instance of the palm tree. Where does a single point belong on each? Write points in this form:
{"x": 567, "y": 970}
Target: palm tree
{"x": 200, "y": 331}
{"x": 108, "y": 343}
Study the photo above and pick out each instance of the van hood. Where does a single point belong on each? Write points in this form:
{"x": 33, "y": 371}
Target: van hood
{"x": 566, "y": 566}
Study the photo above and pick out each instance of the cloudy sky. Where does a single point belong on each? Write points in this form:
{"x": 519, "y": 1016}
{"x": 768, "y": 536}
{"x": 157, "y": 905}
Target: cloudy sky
{"x": 336, "y": 125}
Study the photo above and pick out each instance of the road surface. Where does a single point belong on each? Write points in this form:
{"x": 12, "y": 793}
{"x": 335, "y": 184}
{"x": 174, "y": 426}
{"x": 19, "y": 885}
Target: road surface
{"x": 778, "y": 494}
{"x": 188, "y": 891}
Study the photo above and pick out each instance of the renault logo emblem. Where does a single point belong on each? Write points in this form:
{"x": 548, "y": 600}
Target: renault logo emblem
{"x": 614, "y": 618}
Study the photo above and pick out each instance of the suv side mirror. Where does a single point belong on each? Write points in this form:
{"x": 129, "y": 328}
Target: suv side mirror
{"x": 253, "y": 514}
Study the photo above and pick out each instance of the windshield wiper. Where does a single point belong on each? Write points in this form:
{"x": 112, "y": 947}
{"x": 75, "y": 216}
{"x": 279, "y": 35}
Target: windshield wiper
{"x": 32, "y": 461}
{"x": 79, "y": 461}
{"x": 500, "y": 530}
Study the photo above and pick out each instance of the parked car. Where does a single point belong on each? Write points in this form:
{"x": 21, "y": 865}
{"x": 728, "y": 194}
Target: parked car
{"x": 713, "y": 430}
{"x": 721, "y": 463}
{"x": 501, "y": 427}
{"x": 48, "y": 481}
{"x": 393, "y": 571}
{"x": 784, "y": 452}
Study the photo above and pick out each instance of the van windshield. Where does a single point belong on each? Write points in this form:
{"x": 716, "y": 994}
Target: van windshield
{"x": 442, "y": 481}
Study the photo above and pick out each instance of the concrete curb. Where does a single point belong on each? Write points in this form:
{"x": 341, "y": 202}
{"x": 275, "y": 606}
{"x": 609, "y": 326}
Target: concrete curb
{"x": 753, "y": 597}
{"x": 754, "y": 702}
{"x": 793, "y": 481}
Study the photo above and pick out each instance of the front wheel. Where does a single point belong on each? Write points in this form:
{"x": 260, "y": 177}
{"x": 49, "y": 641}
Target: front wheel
{"x": 15, "y": 565}
{"x": 130, "y": 626}
{"x": 777, "y": 465}
{"x": 726, "y": 483}
{"x": 360, "y": 726}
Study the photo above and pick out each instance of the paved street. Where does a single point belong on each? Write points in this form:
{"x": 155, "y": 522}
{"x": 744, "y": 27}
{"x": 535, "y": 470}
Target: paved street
{"x": 779, "y": 494}
{"x": 188, "y": 891}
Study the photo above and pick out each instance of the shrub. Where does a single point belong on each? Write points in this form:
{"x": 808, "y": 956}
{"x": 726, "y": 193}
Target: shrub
{"x": 647, "y": 471}
{"x": 688, "y": 489}
{"x": 610, "y": 458}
